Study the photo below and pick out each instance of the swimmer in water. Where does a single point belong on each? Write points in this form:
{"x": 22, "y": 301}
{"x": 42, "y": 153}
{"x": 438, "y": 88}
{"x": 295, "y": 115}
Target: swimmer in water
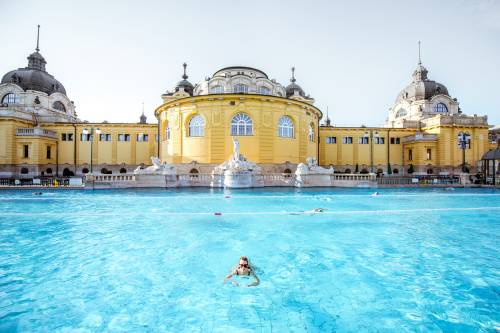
{"x": 243, "y": 269}
{"x": 375, "y": 194}
{"x": 37, "y": 193}
{"x": 310, "y": 212}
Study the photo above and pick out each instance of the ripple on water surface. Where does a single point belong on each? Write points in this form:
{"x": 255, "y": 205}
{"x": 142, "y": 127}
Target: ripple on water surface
{"x": 154, "y": 260}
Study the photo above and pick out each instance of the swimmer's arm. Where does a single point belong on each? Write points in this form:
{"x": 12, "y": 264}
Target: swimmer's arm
{"x": 256, "y": 280}
{"x": 229, "y": 276}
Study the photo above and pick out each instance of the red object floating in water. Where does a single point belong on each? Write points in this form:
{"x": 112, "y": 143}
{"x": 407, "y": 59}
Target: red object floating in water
{"x": 218, "y": 213}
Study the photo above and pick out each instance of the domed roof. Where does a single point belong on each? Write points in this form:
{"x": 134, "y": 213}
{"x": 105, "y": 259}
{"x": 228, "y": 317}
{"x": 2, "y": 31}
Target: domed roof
{"x": 421, "y": 87}
{"x": 184, "y": 83}
{"x": 34, "y": 77}
{"x": 294, "y": 87}
{"x": 493, "y": 154}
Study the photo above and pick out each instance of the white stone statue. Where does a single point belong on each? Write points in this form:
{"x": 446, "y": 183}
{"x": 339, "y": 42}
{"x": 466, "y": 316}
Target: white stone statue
{"x": 157, "y": 168}
{"x": 236, "y": 148}
{"x": 311, "y": 167}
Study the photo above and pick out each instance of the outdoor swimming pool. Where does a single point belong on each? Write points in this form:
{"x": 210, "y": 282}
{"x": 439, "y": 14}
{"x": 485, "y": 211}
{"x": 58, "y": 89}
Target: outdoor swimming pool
{"x": 154, "y": 260}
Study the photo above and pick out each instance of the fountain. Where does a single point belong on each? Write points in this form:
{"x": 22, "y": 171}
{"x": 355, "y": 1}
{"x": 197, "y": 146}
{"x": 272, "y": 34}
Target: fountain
{"x": 237, "y": 172}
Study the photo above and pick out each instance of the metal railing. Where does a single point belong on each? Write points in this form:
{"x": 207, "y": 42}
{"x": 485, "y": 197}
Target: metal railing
{"x": 420, "y": 180}
{"x": 35, "y": 182}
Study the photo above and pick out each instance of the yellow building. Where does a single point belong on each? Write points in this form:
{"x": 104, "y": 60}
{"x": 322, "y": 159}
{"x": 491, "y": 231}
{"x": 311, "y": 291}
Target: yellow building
{"x": 277, "y": 126}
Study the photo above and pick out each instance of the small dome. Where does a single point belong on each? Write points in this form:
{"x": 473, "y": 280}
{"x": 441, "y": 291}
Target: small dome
{"x": 184, "y": 83}
{"x": 294, "y": 87}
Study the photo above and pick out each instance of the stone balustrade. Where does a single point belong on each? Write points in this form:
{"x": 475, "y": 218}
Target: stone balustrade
{"x": 37, "y": 131}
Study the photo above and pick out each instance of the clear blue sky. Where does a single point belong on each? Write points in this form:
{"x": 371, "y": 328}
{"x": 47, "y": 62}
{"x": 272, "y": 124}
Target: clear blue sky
{"x": 352, "y": 56}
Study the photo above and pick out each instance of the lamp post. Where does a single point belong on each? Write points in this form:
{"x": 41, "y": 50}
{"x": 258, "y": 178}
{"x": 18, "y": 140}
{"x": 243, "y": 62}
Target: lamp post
{"x": 91, "y": 139}
{"x": 463, "y": 143}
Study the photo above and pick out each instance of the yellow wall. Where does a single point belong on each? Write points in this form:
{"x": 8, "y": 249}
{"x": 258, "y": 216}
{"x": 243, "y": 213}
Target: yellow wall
{"x": 264, "y": 146}
{"x": 345, "y": 155}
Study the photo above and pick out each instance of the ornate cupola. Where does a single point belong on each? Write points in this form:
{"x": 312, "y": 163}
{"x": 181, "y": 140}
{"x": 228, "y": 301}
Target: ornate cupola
{"x": 293, "y": 89}
{"x": 184, "y": 84}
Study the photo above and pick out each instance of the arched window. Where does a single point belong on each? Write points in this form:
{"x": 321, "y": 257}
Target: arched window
{"x": 287, "y": 173}
{"x": 217, "y": 90}
{"x": 85, "y": 170}
{"x": 241, "y": 124}
{"x": 104, "y": 171}
{"x": 401, "y": 113}
{"x": 197, "y": 126}
{"x": 263, "y": 90}
{"x": 194, "y": 173}
{"x": 10, "y": 98}
{"x": 240, "y": 88}
{"x": 24, "y": 171}
{"x": 311, "y": 133}
{"x": 347, "y": 171}
{"x": 59, "y": 106}
{"x": 48, "y": 171}
{"x": 395, "y": 171}
{"x": 285, "y": 127}
{"x": 440, "y": 107}
{"x": 67, "y": 172}
{"x": 430, "y": 171}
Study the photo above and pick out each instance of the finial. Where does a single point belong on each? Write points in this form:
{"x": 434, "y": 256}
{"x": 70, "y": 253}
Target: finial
{"x": 184, "y": 76}
{"x": 293, "y": 75}
{"x": 38, "y": 39}
{"x": 419, "y": 59}
{"x": 143, "y": 108}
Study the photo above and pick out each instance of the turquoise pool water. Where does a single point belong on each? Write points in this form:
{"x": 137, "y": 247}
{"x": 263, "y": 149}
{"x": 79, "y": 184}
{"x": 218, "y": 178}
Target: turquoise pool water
{"x": 154, "y": 261}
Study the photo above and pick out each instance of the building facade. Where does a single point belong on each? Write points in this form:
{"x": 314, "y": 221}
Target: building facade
{"x": 277, "y": 126}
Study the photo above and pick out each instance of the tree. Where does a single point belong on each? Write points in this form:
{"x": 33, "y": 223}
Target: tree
{"x": 389, "y": 169}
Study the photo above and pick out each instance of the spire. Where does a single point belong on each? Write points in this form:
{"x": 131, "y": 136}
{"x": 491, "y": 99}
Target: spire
{"x": 293, "y": 75}
{"x": 420, "y": 74}
{"x": 327, "y": 117}
{"x": 38, "y": 40}
{"x": 184, "y": 76}
{"x": 142, "y": 119}
{"x": 419, "y": 58}
{"x": 35, "y": 60}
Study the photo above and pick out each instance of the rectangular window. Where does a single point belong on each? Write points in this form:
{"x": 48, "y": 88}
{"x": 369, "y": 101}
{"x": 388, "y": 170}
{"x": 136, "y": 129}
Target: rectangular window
{"x": 26, "y": 151}
{"x": 429, "y": 154}
{"x": 331, "y": 140}
{"x": 410, "y": 155}
{"x": 69, "y": 136}
{"x": 142, "y": 137}
{"x": 363, "y": 140}
{"x": 48, "y": 152}
{"x": 123, "y": 137}
{"x": 105, "y": 137}
{"x": 63, "y": 137}
{"x": 86, "y": 137}
{"x": 347, "y": 140}
{"x": 395, "y": 141}
{"x": 156, "y": 137}
{"x": 379, "y": 141}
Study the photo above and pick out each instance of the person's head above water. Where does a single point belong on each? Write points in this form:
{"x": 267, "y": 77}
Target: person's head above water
{"x": 244, "y": 262}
